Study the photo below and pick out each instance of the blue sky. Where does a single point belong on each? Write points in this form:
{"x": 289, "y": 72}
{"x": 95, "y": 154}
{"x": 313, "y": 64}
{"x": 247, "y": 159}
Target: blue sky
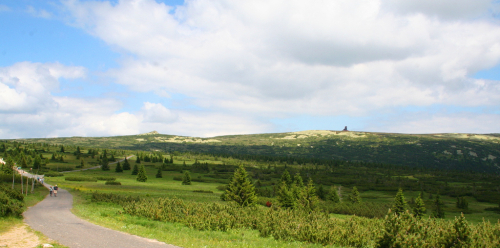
{"x": 206, "y": 68}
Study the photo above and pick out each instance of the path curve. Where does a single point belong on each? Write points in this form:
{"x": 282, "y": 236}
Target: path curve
{"x": 54, "y": 219}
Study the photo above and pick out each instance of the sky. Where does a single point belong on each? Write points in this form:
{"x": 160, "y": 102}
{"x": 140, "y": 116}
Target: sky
{"x": 216, "y": 67}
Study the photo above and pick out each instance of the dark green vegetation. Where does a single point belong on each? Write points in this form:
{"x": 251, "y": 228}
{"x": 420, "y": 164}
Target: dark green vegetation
{"x": 467, "y": 152}
{"x": 284, "y": 202}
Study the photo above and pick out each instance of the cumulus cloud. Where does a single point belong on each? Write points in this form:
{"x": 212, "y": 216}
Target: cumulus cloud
{"x": 445, "y": 9}
{"x": 28, "y": 108}
{"x": 247, "y": 61}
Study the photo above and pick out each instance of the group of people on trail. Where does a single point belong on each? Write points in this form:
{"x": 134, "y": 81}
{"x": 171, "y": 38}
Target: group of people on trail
{"x": 53, "y": 190}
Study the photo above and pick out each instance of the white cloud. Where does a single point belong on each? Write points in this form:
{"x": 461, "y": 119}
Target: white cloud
{"x": 446, "y": 9}
{"x": 157, "y": 113}
{"x": 28, "y": 108}
{"x": 243, "y": 62}
{"x": 421, "y": 122}
{"x": 26, "y": 87}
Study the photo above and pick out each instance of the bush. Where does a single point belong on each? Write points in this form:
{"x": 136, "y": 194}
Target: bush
{"x": 104, "y": 178}
{"x": 113, "y": 183}
{"x": 81, "y": 179}
{"x": 222, "y": 187}
{"x": 11, "y": 202}
{"x": 54, "y": 174}
{"x": 365, "y": 209}
{"x": 203, "y": 191}
{"x": 113, "y": 198}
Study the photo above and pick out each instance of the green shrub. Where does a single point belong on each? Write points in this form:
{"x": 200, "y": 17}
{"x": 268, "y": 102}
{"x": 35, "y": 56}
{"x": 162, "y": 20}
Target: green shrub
{"x": 114, "y": 198}
{"x": 11, "y": 202}
{"x": 203, "y": 191}
{"x": 81, "y": 179}
{"x": 54, "y": 174}
{"x": 113, "y": 183}
{"x": 104, "y": 178}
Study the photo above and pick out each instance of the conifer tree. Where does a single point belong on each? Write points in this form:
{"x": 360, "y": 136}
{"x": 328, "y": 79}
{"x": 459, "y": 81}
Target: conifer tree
{"x": 186, "y": 180}
{"x": 37, "y": 163}
{"x": 141, "y": 175}
{"x": 82, "y": 163}
{"x": 62, "y": 149}
{"x": 138, "y": 160}
{"x": 333, "y": 196}
{"x": 240, "y": 189}
{"x": 438, "y": 211}
{"x": 126, "y": 164}
{"x": 462, "y": 203}
{"x": 321, "y": 192}
{"x": 355, "y": 197}
{"x": 309, "y": 200}
{"x": 104, "y": 164}
{"x": 285, "y": 196}
{"x": 158, "y": 173}
{"x": 399, "y": 205}
{"x": 135, "y": 171}
{"x": 287, "y": 179}
{"x": 419, "y": 208}
{"x": 118, "y": 167}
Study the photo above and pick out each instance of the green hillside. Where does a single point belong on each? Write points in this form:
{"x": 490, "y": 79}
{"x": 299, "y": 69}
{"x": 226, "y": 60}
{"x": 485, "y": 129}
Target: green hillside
{"x": 469, "y": 152}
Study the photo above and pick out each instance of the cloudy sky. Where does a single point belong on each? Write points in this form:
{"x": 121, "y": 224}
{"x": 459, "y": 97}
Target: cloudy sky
{"x": 215, "y": 67}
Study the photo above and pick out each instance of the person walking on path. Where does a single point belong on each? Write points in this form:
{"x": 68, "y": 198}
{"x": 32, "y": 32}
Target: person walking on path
{"x": 51, "y": 190}
{"x": 55, "y": 190}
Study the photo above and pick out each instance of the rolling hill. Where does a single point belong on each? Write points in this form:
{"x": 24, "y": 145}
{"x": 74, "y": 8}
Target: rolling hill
{"x": 469, "y": 152}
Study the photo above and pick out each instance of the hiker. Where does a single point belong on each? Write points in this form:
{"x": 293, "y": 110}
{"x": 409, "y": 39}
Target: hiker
{"x": 50, "y": 190}
{"x": 55, "y": 190}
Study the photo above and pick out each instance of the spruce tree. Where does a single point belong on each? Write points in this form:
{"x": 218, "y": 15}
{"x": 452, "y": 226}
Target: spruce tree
{"x": 438, "y": 211}
{"x": 399, "y": 205}
{"x": 138, "y": 160}
{"x": 118, "y": 167}
{"x": 186, "y": 180}
{"x": 82, "y": 163}
{"x": 141, "y": 176}
{"x": 240, "y": 189}
{"x": 126, "y": 164}
{"x": 285, "y": 196}
{"x": 355, "y": 197}
{"x": 462, "y": 203}
{"x": 135, "y": 171}
{"x": 287, "y": 179}
{"x": 158, "y": 174}
{"x": 309, "y": 200}
{"x": 104, "y": 164}
{"x": 333, "y": 196}
{"x": 321, "y": 192}
{"x": 419, "y": 208}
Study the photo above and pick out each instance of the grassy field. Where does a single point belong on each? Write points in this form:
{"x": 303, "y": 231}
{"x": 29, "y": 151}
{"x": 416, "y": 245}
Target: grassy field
{"x": 112, "y": 216}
